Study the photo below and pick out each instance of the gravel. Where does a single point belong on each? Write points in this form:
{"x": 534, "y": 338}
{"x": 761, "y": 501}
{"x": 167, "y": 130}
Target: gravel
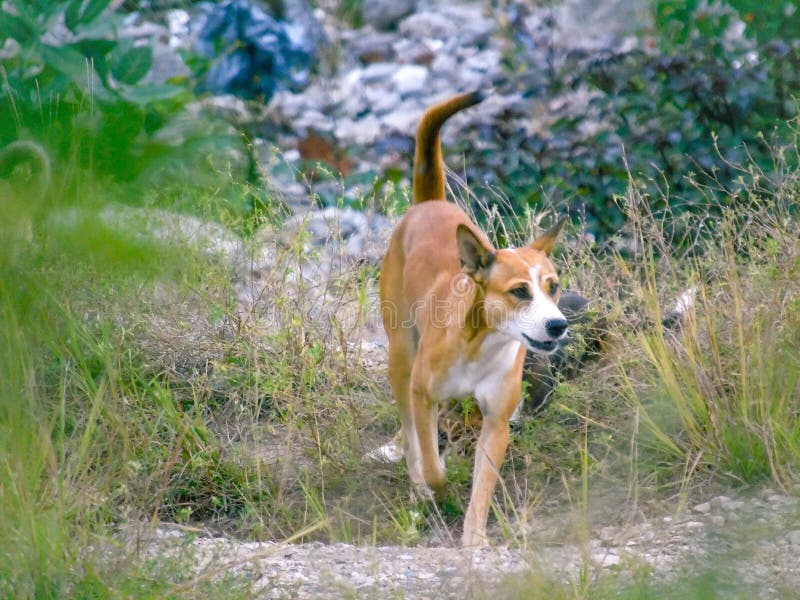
{"x": 754, "y": 549}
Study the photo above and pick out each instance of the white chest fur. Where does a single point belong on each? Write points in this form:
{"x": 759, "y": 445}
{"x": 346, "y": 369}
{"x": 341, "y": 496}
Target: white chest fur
{"x": 484, "y": 377}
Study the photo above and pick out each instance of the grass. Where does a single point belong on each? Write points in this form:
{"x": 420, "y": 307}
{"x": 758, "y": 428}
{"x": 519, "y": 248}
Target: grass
{"x": 135, "y": 388}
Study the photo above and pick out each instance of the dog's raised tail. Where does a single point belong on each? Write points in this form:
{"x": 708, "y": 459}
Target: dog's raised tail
{"x": 428, "y": 164}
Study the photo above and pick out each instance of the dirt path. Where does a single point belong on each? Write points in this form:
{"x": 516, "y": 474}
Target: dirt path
{"x": 741, "y": 545}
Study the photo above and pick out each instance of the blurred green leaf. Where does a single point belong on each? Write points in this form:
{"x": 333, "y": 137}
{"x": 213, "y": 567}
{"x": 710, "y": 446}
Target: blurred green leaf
{"x": 35, "y": 11}
{"x": 18, "y": 28}
{"x": 96, "y": 51}
{"x": 80, "y": 12}
{"x": 131, "y": 65}
{"x": 75, "y": 66}
{"x": 146, "y": 94}
{"x": 68, "y": 61}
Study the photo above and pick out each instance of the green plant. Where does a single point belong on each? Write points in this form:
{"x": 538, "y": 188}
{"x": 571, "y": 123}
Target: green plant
{"x": 711, "y": 85}
{"x": 70, "y": 83}
{"x": 733, "y": 383}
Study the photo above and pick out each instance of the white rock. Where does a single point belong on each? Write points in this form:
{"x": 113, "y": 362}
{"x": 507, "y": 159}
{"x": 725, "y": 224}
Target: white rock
{"x": 377, "y": 72}
{"x": 778, "y": 499}
{"x": 178, "y": 24}
{"x": 605, "y": 559}
{"x": 428, "y": 25}
{"x": 721, "y": 502}
{"x": 483, "y": 61}
{"x": 606, "y": 534}
{"x": 363, "y": 131}
{"x": 703, "y": 508}
{"x": 410, "y": 79}
{"x": 380, "y": 100}
{"x": 404, "y": 118}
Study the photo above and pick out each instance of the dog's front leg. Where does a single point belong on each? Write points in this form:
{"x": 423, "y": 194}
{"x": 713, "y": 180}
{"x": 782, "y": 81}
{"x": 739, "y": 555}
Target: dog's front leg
{"x": 489, "y": 456}
{"x": 426, "y": 413}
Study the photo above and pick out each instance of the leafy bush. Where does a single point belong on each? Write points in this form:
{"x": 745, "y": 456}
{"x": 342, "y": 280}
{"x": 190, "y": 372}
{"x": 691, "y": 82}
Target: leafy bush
{"x": 704, "y": 98}
{"x": 71, "y": 83}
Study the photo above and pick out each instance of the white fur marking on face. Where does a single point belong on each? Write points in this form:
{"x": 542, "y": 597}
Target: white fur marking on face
{"x": 530, "y": 323}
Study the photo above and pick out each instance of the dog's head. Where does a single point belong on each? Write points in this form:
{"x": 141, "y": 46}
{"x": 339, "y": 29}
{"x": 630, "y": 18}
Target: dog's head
{"x": 519, "y": 288}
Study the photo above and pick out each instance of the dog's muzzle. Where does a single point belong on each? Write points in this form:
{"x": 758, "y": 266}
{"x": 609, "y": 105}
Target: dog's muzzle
{"x": 555, "y": 329}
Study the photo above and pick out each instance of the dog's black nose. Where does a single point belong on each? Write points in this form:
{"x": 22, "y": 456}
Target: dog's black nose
{"x": 555, "y": 327}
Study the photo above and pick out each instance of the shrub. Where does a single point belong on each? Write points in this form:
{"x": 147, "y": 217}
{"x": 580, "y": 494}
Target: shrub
{"x": 71, "y": 84}
{"x": 677, "y": 116}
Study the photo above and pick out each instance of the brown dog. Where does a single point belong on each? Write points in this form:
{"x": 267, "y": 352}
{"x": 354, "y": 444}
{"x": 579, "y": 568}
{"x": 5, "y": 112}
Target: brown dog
{"x": 459, "y": 315}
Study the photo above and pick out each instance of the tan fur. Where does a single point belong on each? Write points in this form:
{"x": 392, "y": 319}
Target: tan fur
{"x": 445, "y": 300}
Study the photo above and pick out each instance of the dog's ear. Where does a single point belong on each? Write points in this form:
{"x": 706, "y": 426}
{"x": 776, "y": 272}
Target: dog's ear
{"x": 546, "y": 242}
{"x": 475, "y": 257}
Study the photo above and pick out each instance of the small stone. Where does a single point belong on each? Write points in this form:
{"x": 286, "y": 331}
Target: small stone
{"x": 381, "y": 101}
{"x": 385, "y": 14}
{"x": 703, "y": 508}
{"x": 377, "y": 72}
{"x": 428, "y": 25}
{"x": 794, "y": 537}
{"x": 717, "y": 520}
{"x": 721, "y": 502}
{"x": 404, "y": 119}
{"x": 607, "y": 534}
{"x": 735, "y": 505}
{"x": 373, "y": 47}
{"x": 410, "y": 79}
{"x": 605, "y": 559}
{"x": 362, "y": 131}
{"x": 483, "y": 61}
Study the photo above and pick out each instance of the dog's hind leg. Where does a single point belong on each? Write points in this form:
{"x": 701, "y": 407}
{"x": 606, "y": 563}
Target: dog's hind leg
{"x": 402, "y": 349}
{"x": 426, "y": 424}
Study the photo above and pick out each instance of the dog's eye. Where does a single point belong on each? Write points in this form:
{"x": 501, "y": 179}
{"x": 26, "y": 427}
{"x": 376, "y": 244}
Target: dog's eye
{"x": 520, "y": 293}
{"x": 553, "y": 288}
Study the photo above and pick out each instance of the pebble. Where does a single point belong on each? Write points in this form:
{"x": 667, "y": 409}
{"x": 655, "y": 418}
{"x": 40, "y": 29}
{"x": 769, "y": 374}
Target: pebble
{"x": 605, "y": 559}
{"x": 778, "y": 499}
{"x": 424, "y": 25}
{"x": 383, "y": 14}
{"x": 410, "y": 79}
{"x": 670, "y": 549}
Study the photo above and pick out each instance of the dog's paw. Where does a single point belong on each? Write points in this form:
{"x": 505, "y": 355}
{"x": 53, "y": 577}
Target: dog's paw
{"x": 474, "y": 539}
{"x": 422, "y": 493}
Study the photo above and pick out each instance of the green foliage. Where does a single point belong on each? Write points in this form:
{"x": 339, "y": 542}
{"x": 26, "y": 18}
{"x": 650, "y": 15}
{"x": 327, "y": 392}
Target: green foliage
{"x": 704, "y": 98}
{"x": 350, "y": 11}
{"x": 679, "y": 21}
{"x": 70, "y": 83}
{"x": 721, "y": 395}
